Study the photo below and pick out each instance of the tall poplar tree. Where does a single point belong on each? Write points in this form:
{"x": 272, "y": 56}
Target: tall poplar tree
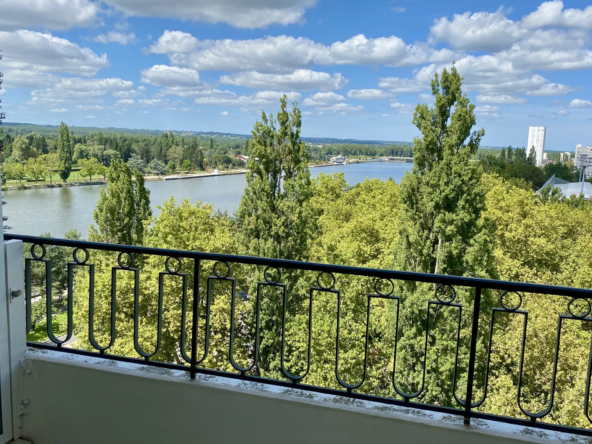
{"x": 195, "y": 155}
{"x": 123, "y": 207}
{"x": 443, "y": 197}
{"x": 277, "y": 219}
{"x": 274, "y": 212}
{"x": 65, "y": 152}
{"x": 441, "y": 231}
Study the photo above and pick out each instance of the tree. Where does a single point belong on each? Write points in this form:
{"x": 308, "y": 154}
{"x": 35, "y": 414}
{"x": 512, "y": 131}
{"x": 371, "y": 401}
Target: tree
{"x": 52, "y": 164}
{"x": 211, "y": 145}
{"x": 171, "y": 168}
{"x": 123, "y": 207}
{"x": 186, "y": 165}
{"x": 441, "y": 231}
{"x": 561, "y": 171}
{"x": 135, "y": 162}
{"x": 90, "y": 168}
{"x": 65, "y": 152}
{"x": 22, "y": 149}
{"x": 157, "y": 167}
{"x": 527, "y": 171}
{"x": 14, "y": 171}
{"x": 194, "y": 154}
{"x": 274, "y": 211}
{"x": 443, "y": 197}
{"x": 531, "y": 155}
{"x": 36, "y": 169}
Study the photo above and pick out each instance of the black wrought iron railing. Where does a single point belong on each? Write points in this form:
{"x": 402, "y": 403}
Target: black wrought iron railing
{"x": 409, "y": 339}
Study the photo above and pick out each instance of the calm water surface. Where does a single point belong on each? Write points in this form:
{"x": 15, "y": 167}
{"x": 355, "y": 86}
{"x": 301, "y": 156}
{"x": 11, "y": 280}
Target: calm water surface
{"x": 58, "y": 210}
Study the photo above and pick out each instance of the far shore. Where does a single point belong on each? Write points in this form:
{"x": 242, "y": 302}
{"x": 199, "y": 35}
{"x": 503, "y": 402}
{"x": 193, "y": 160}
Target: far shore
{"x": 34, "y": 186}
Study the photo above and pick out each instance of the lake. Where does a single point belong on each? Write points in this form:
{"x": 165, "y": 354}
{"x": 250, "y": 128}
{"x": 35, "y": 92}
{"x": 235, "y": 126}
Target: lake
{"x": 57, "y": 210}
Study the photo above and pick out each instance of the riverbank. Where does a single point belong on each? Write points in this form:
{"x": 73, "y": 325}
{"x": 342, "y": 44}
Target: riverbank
{"x": 197, "y": 176}
{"x": 51, "y": 185}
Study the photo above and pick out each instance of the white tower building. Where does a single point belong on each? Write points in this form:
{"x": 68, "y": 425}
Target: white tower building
{"x": 536, "y": 139}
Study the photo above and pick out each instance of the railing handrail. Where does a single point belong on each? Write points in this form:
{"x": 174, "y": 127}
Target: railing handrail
{"x": 314, "y": 266}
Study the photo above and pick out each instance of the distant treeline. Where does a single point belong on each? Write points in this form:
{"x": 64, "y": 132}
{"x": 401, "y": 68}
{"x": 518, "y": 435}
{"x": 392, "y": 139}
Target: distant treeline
{"x": 355, "y": 150}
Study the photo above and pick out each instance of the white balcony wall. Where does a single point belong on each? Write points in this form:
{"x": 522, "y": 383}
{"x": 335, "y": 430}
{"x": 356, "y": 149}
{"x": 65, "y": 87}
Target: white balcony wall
{"x": 75, "y": 400}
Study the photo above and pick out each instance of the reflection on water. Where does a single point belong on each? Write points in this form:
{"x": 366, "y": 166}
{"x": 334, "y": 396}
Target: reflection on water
{"x": 57, "y": 210}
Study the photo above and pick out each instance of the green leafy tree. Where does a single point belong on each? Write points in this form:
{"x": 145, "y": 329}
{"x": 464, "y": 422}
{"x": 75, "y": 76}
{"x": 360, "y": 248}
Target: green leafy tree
{"x": 123, "y": 208}
{"x": 276, "y": 217}
{"x": 171, "y": 168}
{"x": 135, "y": 162}
{"x": 561, "y": 171}
{"x": 14, "y": 171}
{"x": 65, "y": 152}
{"x": 195, "y": 154}
{"x": 274, "y": 212}
{"x": 531, "y": 155}
{"x": 527, "y": 171}
{"x": 157, "y": 167}
{"x": 441, "y": 231}
{"x": 52, "y": 164}
{"x": 90, "y": 168}
{"x": 22, "y": 149}
{"x": 36, "y": 169}
{"x": 186, "y": 165}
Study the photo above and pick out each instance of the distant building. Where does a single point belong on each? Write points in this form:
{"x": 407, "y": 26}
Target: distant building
{"x": 570, "y": 188}
{"x": 243, "y": 158}
{"x": 564, "y": 157}
{"x": 584, "y": 159}
{"x": 338, "y": 159}
{"x": 536, "y": 139}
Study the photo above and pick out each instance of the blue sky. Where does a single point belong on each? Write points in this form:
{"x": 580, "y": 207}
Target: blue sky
{"x": 357, "y": 69}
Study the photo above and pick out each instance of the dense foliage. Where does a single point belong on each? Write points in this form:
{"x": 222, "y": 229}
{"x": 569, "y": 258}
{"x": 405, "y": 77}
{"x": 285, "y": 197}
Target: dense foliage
{"x": 447, "y": 216}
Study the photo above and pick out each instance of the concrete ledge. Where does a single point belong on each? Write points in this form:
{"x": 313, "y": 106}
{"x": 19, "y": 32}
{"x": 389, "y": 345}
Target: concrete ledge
{"x": 73, "y": 399}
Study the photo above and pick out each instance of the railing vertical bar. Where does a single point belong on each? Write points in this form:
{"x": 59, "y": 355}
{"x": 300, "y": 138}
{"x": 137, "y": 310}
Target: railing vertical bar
{"x": 472, "y": 355}
{"x": 196, "y": 265}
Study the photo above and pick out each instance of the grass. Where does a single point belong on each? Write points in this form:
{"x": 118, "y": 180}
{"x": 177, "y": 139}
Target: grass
{"x": 59, "y": 324}
{"x": 74, "y": 177}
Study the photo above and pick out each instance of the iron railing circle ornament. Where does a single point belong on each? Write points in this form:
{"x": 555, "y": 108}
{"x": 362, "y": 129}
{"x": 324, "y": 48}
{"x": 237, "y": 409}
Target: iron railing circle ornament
{"x": 330, "y": 287}
{"x": 445, "y": 301}
{"x": 34, "y": 255}
{"x": 507, "y": 307}
{"x": 86, "y": 256}
{"x": 268, "y": 279}
{"x": 378, "y": 292}
{"x": 220, "y": 275}
{"x": 172, "y": 269}
{"x": 123, "y": 264}
{"x": 584, "y": 313}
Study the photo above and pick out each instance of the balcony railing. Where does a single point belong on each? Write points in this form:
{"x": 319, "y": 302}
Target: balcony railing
{"x": 270, "y": 314}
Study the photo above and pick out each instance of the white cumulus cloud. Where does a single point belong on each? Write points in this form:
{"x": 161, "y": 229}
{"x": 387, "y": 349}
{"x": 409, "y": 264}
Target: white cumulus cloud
{"x": 50, "y": 14}
{"x": 79, "y": 90}
{"x": 258, "y": 99}
{"x": 323, "y": 99}
{"x": 35, "y": 54}
{"x": 301, "y": 80}
{"x": 239, "y": 13}
{"x": 116, "y": 37}
{"x": 285, "y": 53}
{"x": 480, "y": 31}
{"x": 502, "y": 99}
{"x": 368, "y": 94}
{"x": 162, "y": 75}
{"x": 579, "y": 103}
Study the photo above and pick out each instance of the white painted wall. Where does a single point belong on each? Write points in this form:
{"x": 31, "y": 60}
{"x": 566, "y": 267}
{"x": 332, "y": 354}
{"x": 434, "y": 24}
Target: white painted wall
{"x": 75, "y": 400}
